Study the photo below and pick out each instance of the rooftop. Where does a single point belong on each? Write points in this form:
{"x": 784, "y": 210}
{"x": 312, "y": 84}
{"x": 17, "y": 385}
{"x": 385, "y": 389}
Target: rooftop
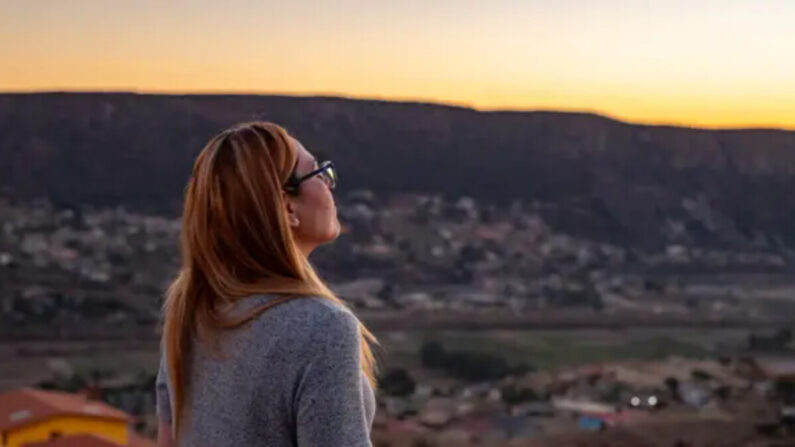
{"x": 27, "y": 405}
{"x": 85, "y": 440}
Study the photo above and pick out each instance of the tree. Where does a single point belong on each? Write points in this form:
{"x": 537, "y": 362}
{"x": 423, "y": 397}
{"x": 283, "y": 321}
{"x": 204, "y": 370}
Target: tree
{"x": 397, "y": 382}
{"x": 513, "y": 395}
{"x": 432, "y": 354}
{"x": 468, "y": 365}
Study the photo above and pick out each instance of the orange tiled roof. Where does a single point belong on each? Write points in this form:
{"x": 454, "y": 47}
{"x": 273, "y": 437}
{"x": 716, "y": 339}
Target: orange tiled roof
{"x": 27, "y": 405}
{"x": 89, "y": 440}
{"x": 74, "y": 441}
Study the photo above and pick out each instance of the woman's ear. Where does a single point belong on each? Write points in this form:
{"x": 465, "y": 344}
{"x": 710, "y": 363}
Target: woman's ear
{"x": 292, "y": 216}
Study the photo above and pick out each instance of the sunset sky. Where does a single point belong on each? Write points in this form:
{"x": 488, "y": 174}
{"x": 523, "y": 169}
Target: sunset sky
{"x": 716, "y": 63}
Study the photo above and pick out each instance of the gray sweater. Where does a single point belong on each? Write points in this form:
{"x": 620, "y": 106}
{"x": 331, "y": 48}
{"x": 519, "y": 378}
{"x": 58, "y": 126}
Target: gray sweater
{"x": 289, "y": 378}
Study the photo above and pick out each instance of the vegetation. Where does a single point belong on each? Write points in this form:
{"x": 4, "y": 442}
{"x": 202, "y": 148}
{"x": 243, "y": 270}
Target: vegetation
{"x": 397, "y": 382}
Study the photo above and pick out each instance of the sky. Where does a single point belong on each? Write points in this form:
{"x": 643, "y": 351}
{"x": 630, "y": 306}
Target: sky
{"x": 705, "y": 63}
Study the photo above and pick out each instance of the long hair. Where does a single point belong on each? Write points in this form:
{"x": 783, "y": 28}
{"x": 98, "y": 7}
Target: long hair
{"x": 235, "y": 242}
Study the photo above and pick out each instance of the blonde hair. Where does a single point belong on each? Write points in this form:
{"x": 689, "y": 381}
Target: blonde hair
{"x": 236, "y": 241}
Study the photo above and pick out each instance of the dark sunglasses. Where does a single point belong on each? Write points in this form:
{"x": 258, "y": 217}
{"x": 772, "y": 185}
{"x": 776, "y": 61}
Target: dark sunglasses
{"x": 326, "y": 171}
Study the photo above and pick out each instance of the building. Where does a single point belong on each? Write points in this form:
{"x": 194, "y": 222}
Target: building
{"x": 37, "y": 418}
{"x": 89, "y": 441}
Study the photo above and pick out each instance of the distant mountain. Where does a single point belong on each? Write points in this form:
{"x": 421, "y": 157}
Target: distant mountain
{"x": 588, "y": 174}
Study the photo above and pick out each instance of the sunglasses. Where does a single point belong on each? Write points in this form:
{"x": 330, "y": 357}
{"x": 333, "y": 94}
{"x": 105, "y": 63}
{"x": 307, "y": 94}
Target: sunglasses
{"x": 326, "y": 171}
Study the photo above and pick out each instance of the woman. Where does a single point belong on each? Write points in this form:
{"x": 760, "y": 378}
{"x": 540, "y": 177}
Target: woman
{"x": 257, "y": 350}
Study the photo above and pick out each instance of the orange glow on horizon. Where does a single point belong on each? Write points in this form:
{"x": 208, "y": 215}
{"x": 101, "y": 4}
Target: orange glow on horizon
{"x": 707, "y": 64}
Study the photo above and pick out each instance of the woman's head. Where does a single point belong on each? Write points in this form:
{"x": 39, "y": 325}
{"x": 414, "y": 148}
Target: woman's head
{"x": 310, "y": 205}
{"x": 257, "y": 203}
{"x": 238, "y": 209}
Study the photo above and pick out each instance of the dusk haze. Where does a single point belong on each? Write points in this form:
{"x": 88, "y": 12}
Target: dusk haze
{"x": 713, "y": 63}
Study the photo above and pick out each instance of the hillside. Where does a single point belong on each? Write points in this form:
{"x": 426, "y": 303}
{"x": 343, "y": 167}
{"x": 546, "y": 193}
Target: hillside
{"x": 588, "y": 174}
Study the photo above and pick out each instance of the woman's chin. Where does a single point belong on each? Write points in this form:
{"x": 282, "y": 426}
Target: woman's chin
{"x": 336, "y": 230}
{"x": 330, "y": 235}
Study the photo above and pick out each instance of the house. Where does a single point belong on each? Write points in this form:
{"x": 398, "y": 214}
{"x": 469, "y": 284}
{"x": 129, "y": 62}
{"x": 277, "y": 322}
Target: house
{"x": 438, "y": 412}
{"x": 774, "y": 369}
{"x": 73, "y": 441}
{"x": 779, "y": 374}
{"x": 29, "y": 416}
{"x": 576, "y": 406}
{"x": 87, "y": 440}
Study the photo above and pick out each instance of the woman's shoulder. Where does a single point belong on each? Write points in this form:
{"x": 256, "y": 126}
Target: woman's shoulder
{"x": 309, "y": 316}
{"x": 312, "y": 307}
